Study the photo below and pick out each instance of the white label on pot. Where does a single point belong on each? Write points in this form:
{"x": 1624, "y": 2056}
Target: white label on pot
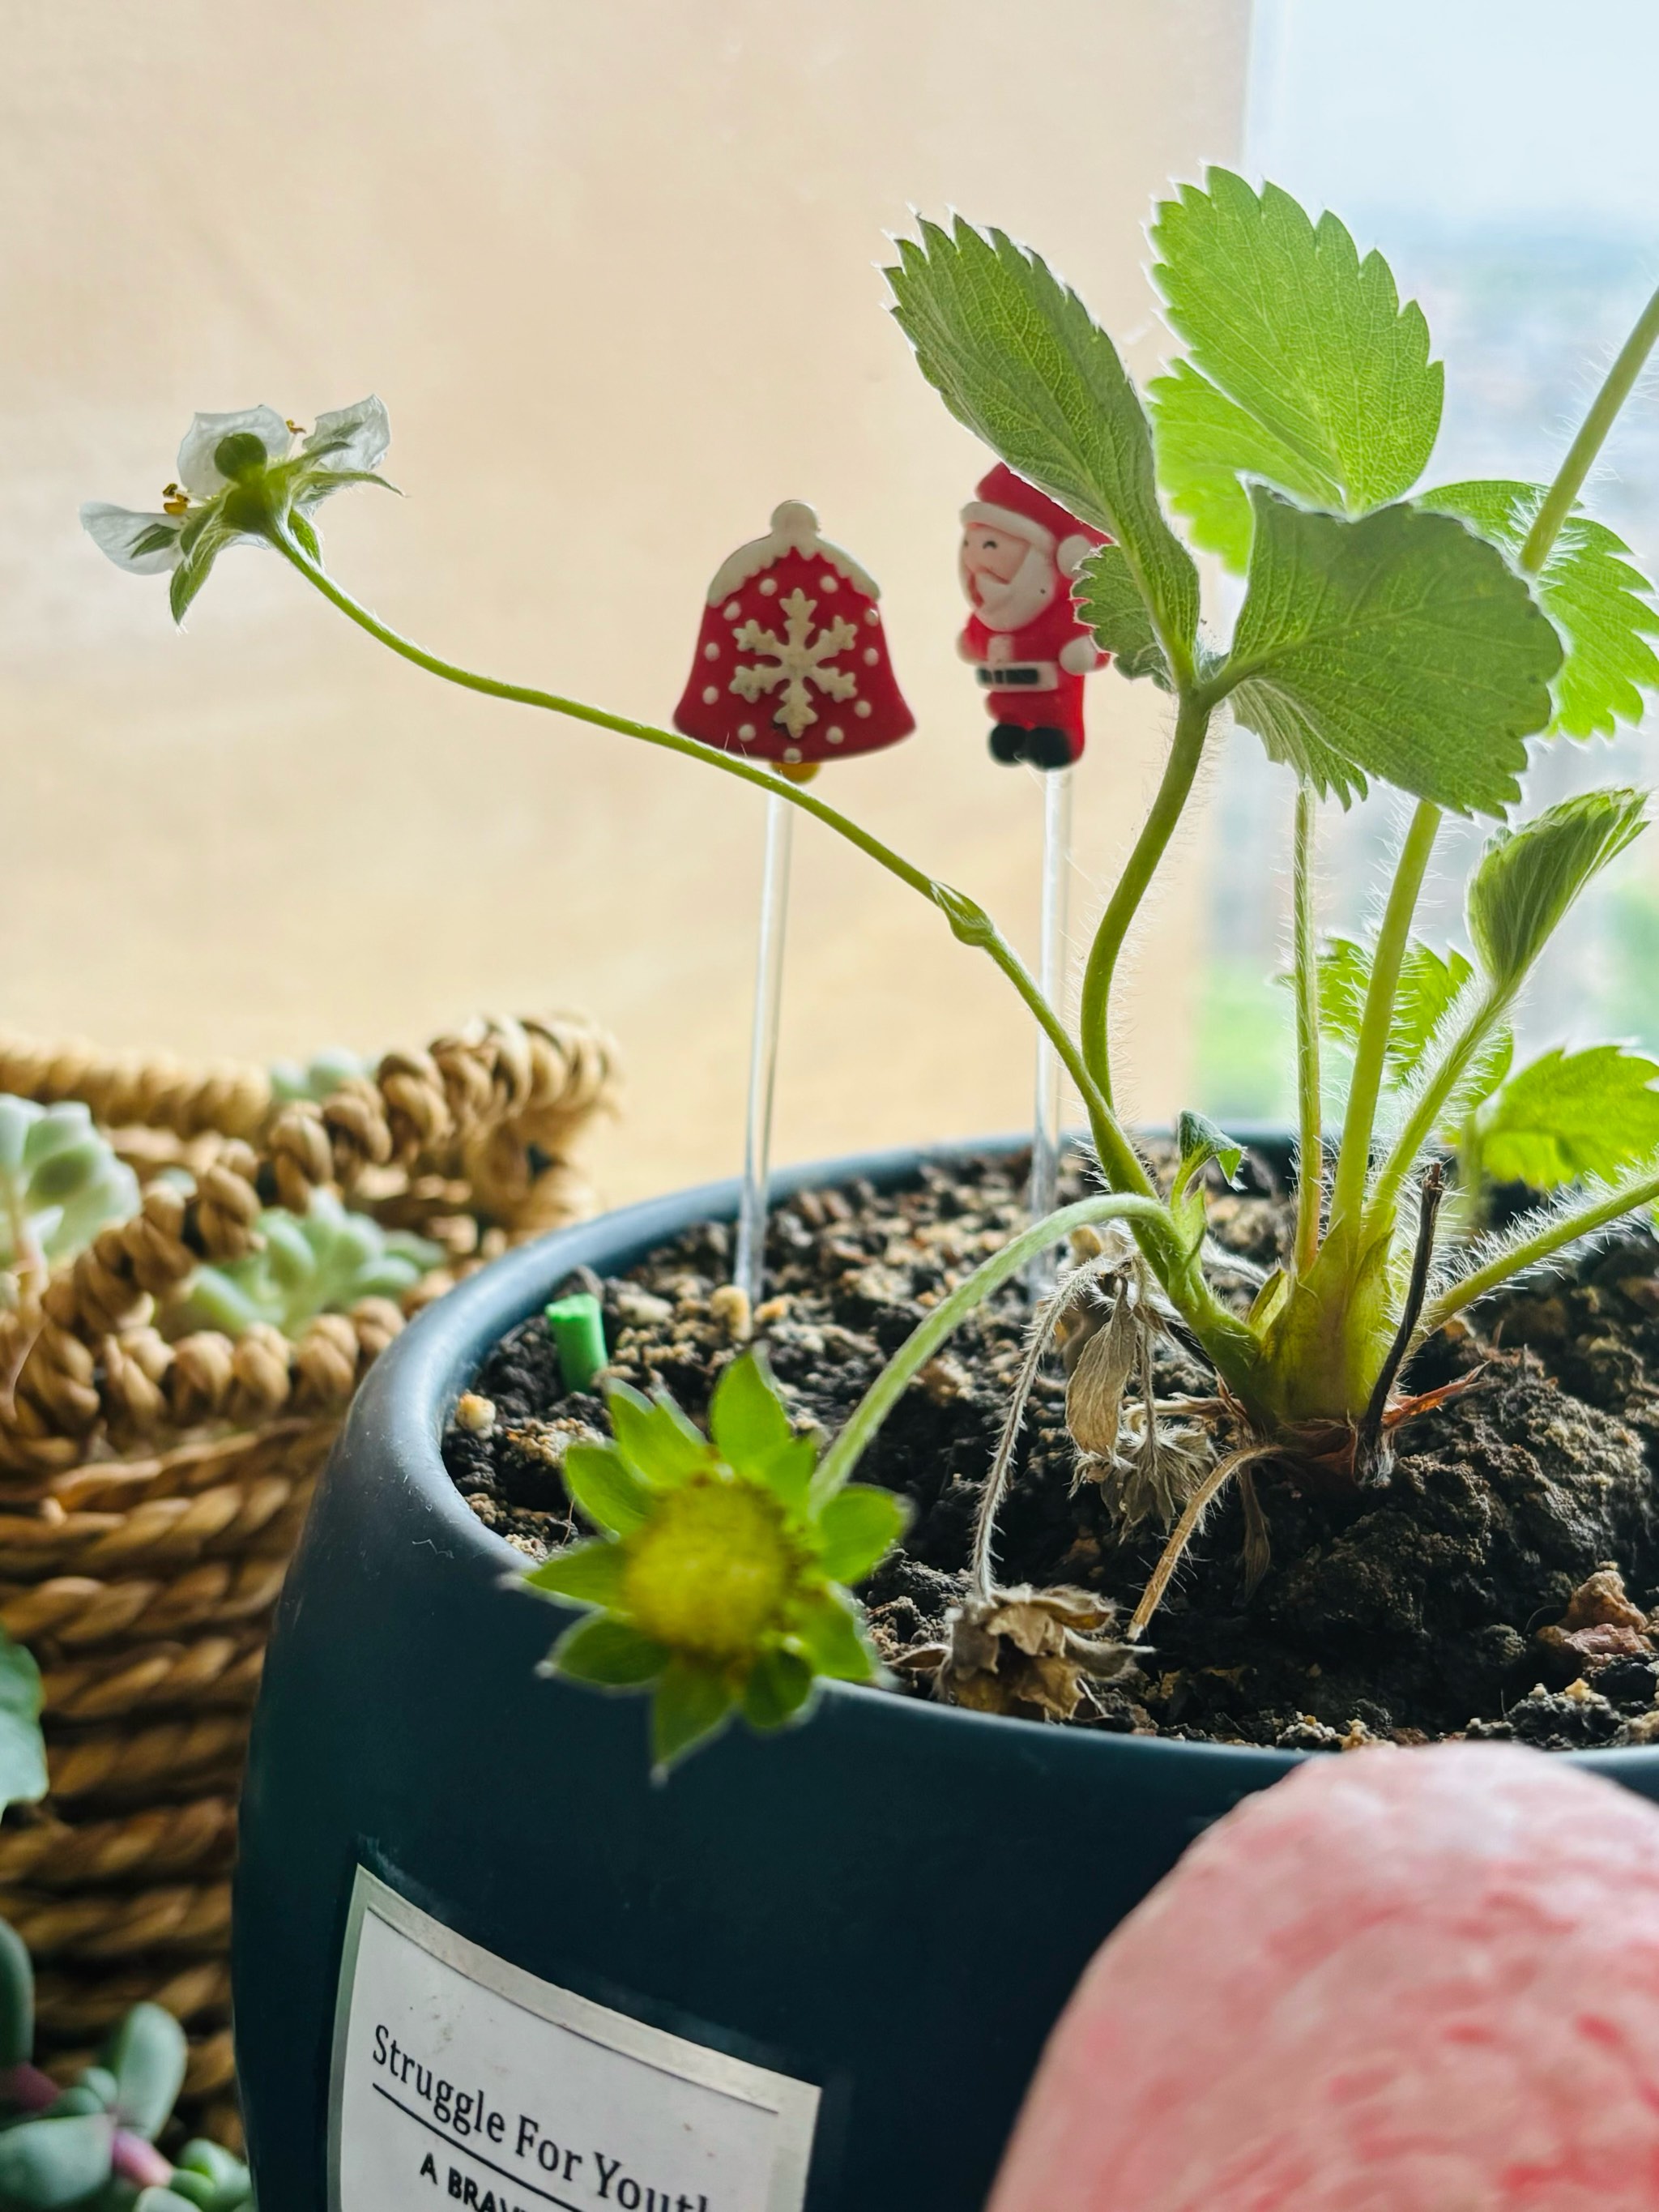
{"x": 460, "y": 2080}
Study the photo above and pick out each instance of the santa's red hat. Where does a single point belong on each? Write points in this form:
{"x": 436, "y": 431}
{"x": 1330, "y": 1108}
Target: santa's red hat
{"x": 1003, "y": 500}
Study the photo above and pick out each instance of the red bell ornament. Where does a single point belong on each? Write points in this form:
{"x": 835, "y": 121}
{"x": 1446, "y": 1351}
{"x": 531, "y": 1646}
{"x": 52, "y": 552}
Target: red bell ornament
{"x": 792, "y": 662}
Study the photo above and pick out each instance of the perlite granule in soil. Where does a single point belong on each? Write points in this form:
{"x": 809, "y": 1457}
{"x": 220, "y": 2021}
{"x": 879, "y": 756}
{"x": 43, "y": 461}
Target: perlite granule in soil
{"x": 1499, "y": 1583}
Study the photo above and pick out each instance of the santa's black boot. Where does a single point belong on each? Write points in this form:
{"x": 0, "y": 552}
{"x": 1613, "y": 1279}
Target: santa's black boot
{"x": 1046, "y": 748}
{"x": 1008, "y": 743}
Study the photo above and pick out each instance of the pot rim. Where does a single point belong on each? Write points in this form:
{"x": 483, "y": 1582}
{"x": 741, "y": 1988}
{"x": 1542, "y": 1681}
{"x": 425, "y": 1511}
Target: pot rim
{"x": 408, "y": 1395}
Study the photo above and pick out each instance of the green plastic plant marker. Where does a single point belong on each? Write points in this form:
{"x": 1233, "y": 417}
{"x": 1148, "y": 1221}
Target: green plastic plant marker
{"x": 577, "y": 1328}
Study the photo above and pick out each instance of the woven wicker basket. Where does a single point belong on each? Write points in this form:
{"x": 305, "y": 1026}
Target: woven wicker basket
{"x": 151, "y": 1490}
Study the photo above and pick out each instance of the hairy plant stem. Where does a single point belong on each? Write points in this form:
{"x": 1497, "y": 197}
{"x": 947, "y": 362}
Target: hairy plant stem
{"x": 1370, "y": 1055}
{"x": 1490, "y": 1010}
{"x": 1119, "y": 1160}
{"x": 1617, "y": 386}
{"x": 1184, "y": 1530}
{"x": 1311, "y": 1138}
{"x": 1531, "y": 1251}
{"x": 1094, "y": 1008}
{"x": 948, "y": 1316}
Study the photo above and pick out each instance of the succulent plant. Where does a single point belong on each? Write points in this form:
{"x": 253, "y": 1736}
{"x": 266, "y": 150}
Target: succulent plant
{"x": 322, "y": 1261}
{"x": 318, "y": 1077}
{"x": 60, "y": 1182}
{"x": 93, "y": 2143}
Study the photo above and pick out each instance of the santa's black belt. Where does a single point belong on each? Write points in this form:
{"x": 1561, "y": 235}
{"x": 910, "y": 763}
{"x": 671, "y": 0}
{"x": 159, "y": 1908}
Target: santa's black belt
{"x": 1031, "y": 675}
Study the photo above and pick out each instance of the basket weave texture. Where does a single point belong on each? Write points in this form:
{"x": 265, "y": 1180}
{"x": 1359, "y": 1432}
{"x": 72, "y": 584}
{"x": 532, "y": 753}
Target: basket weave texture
{"x": 152, "y": 1486}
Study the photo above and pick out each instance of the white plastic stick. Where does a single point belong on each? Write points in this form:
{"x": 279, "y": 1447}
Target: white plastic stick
{"x": 1052, "y": 976}
{"x": 764, "y": 1050}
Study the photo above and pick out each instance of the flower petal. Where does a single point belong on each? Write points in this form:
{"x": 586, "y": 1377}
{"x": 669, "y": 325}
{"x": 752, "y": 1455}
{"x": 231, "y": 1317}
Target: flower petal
{"x": 356, "y": 437}
{"x": 197, "y": 470}
{"x": 146, "y": 543}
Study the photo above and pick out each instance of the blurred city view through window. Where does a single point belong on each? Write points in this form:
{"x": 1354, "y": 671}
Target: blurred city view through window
{"x": 1502, "y": 158}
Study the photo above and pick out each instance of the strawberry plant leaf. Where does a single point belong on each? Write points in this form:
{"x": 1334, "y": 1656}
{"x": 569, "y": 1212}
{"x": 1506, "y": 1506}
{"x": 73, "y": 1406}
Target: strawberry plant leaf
{"x": 1591, "y": 591}
{"x": 1567, "y": 1115}
{"x": 1314, "y": 374}
{"x": 1205, "y": 444}
{"x": 1016, "y": 356}
{"x": 601, "y": 1482}
{"x": 1106, "y": 598}
{"x": 1527, "y": 879}
{"x": 1399, "y": 646}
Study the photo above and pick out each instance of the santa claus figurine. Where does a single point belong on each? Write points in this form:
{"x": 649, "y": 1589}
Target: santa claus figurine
{"x": 1020, "y": 550}
{"x": 792, "y": 662}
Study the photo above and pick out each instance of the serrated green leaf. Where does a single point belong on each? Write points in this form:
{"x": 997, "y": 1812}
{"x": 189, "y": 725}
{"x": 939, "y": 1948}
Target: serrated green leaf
{"x": 1205, "y": 443}
{"x": 655, "y": 1438}
{"x": 1430, "y": 984}
{"x": 1312, "y": 342}
{"x": 1591, "y": 591}
{"x": 1527, "y": 879}
{"x": 1198, "y": 1141}
{"x": 1106, "y": 599}
{"x": 778, "y": 1691}
{"x": 23, "y": 1748}
{"x": 1018, "y": 358}
{"x": 587, "y": 1574}
{"x": 827, "y": 1629}
{"x": 601, "y": 1482}
{"x": 1399, "y": 646}
{"x": 746, "y": 1417}
{"x": 47, "y": 2163}
{"x": 607, "y": 1653}
{"x": 691, "y": 1703}
{"x": 1567, "y": 1115}
{"x": 857, "y": 1528}
{"x": 146, "y": 2055}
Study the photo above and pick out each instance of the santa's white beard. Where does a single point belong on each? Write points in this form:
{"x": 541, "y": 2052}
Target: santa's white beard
{"x": 1021, "y": 600}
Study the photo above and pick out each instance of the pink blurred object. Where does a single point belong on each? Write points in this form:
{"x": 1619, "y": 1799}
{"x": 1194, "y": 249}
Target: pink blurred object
{"x": 1399, "y": 1981}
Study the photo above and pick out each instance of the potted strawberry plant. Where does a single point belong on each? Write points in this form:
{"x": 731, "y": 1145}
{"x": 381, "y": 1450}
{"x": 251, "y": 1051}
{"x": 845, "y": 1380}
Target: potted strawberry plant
{"x": 482, "y": 1950}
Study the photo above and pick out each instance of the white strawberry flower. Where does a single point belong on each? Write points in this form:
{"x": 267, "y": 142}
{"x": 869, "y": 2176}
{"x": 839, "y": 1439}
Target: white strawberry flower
{"x": 241, "y": 480}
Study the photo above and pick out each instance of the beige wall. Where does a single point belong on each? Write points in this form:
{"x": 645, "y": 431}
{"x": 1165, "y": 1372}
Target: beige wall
{"x": 613, "y": 269}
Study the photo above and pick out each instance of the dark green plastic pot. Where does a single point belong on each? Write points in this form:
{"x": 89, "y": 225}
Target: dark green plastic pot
{"x": 892, "y": 1902}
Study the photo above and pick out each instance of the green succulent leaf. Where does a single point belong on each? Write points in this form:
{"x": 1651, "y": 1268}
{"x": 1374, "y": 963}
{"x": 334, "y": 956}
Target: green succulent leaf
{"x": 858, "y": 1527}
{"x": 1592, "y": 592}
{"x": 162, "y": 2197}
{"x": 1528, "y": 877}
{"x": 607, "y": 1653}
{"x": 51, "y": 2162}
{"x": 778, "y": 1691}
{"x": 1305, "y": 368}
{"x": 1566, "y": 1116}
{"x": 60, "y": 1182}
{"x": 692, "y": 1703}
{"x": 1399, "y": 646}
{"x": 1019, "y": 359}
{"x": 828, "y": 1631}
{"x": 587, "y": 1574}
{"x": 23, "y": 1748}
{"x": 746, "y": 1417}
{"x": 17, "y": 1999}
{"x": 146, "y": 2055}
{"x": 601, "y": 1482}
{"x": 1107, "y": 600}
{"x": 324, "y": 1261}
{"x": 655, "y": 1438}
{"x": 207, "y": 2178}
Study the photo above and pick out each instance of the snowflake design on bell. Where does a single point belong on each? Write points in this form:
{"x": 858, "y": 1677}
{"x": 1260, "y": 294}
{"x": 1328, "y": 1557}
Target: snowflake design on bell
{"x": 798, "y": 658}
{"x": 792, "y": 662}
